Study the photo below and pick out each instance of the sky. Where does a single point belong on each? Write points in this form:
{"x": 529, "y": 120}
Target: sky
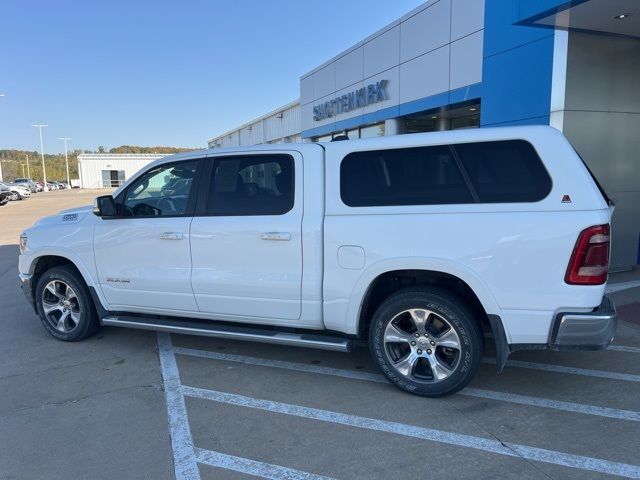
{"x": 172, "y": 73}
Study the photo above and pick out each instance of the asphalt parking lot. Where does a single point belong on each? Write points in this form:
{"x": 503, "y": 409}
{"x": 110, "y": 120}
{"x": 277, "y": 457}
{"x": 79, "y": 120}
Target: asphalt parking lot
{"x": 132, "y": 404}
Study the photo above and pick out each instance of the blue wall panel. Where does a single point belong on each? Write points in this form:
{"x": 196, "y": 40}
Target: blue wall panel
{"x": 517, "y": 83}
{"x": 500, "y": 32}
{"x": 517, "y": 68}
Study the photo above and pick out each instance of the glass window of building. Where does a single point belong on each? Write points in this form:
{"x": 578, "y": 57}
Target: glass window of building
{"x": 370, "y": 131}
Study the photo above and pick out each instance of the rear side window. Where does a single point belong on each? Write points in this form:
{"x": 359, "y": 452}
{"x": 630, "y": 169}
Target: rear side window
{"x": 404, "y": 176}
{"x": 483, "y": 172}
{"x": 252, "y": 185}
{"x": 505, "y": 172}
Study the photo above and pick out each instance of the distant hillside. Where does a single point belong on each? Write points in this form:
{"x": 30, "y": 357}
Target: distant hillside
{"x": 132, "y": 149}
{"x": 12, "y": 161}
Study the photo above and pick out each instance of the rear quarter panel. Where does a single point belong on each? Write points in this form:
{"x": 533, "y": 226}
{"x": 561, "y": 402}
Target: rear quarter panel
{"x": 513, "y": 255}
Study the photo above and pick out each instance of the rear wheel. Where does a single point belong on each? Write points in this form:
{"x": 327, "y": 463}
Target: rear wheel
{"x": 426, "y": 342}
{"x": 64, "y": 305}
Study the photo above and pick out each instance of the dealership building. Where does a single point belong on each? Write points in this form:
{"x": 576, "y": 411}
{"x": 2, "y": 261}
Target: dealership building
{"x": 450, "y": 64}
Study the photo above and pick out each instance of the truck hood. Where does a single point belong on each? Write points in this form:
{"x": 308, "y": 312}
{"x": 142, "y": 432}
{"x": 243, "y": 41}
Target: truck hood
{"x": 69, "y": 216}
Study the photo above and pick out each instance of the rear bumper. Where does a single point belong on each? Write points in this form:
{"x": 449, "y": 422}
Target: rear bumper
{"x": 585, "y": 331}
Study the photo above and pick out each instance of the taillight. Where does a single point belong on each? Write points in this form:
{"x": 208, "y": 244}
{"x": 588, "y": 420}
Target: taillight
{"x": 589, "y": 262}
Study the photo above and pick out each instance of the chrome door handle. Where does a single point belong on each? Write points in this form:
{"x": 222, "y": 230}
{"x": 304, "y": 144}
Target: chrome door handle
{"x": 277, "y": 236}
{"x": 171, "y": 236}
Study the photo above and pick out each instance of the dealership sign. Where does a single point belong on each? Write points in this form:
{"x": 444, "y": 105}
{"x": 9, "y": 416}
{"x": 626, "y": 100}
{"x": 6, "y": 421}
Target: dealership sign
{"x": 373, "y": 93}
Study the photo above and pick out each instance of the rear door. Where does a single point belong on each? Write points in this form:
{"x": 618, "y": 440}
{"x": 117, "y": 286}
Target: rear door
{"x": 247, "y": 245}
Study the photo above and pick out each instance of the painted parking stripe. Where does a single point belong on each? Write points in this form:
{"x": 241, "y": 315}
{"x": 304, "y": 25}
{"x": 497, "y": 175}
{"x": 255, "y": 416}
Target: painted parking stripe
{"x": 184, "y": 458}
{"x": 618, "y": 287}
{"x": 547, "y": 367}
{"x": 265, "y": 362}
{"x": 554, "y": 404}
{"x": 373, "y": 377}
{"x": 623, "y": 348}
{"x": 439, "y": 436}
{"x": 252, "y": 467}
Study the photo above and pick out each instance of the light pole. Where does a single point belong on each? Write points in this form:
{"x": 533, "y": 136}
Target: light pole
{"x": 28, "y": 172}
{"x": 45, "y": 188}
{"x": 66, "y": 159}
{"x": 22, "y": 165}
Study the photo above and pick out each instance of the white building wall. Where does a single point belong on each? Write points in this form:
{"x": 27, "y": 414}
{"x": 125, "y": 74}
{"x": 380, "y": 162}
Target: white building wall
{"x": 433, "y": 49}
{"x": 91, "y": 165}
{"x": 278, "y": 126}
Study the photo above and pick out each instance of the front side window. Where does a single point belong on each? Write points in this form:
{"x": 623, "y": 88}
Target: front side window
{"x": 251, "y": 185}
{"x": 161, "y": 192}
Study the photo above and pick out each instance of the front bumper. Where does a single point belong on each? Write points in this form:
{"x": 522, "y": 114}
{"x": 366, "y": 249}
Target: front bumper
{"x": 27, "y": 288}
{"x": 585, "y": 331}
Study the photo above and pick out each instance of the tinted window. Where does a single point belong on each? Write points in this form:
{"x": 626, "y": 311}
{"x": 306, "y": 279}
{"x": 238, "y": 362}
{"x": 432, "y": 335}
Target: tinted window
{"x": 251, "y": 185}
{"x": 506, "y": 171}
{"x": 162, "y": 191}
{"x": 405, "y": 176}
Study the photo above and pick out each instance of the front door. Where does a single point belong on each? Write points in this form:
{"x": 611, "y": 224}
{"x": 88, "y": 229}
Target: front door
{"x": 143, "y": 256}
{"x": 247, "y": 248}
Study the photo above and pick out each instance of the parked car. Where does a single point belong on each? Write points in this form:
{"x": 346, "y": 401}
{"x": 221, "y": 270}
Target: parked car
{"x": 26, "y": 182}
{"x": 4, "y": 195}
{"x": 413, "y": 243}
{"x": 17, "y": 192}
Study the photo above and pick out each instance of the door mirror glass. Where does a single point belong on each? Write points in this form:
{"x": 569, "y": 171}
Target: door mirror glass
{"x": 104, "y": 206}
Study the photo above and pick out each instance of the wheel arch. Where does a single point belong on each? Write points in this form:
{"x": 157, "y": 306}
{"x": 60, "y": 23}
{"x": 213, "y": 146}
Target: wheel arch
{"x": 374, "y": 286}
{"x": 46, "y": 261}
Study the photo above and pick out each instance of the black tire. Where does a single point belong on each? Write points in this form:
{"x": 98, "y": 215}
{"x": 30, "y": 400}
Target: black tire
{"x": 87, "y": 319}
{"x": 441, "y": 308}
{"x": 14, "y": 196}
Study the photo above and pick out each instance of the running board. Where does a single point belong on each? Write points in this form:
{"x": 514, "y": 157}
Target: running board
{"x": 309, "y": 340}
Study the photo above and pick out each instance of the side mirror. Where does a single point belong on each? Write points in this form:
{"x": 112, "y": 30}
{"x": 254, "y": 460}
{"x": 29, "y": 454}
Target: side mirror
{"x": 104, "y": 206}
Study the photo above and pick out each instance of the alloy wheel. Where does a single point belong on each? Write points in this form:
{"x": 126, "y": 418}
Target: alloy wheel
{"x": 61, "y": 306}
{"x": 422, "y": 345}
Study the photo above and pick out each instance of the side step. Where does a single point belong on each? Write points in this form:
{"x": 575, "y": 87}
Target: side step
{"x": 208, "y": 329}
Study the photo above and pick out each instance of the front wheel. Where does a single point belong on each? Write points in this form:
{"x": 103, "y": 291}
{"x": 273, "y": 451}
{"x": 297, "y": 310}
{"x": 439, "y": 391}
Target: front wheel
{"x": 15, "y": 196}
{"x": 426, "y": 342}
{"x": 64, "y": 305}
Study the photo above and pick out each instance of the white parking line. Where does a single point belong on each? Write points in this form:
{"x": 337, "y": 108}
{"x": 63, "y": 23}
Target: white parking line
{"x": 251, "y": 467}
{"x": 547, "y": 367}
{"x": 618, "y": 287}
{"x": 439, "y": 436}
{"x": 554, "y": 404}
{"x": 184, "y": 458}
{"x": 373, "y": 377}
{"x": 623, "y": 348}
{"x": 185, "y": 455}
{"x": 265, "y": 362}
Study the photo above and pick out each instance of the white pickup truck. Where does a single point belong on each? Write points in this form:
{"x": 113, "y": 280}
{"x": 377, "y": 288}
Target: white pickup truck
{"x": 418, "y": 244}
